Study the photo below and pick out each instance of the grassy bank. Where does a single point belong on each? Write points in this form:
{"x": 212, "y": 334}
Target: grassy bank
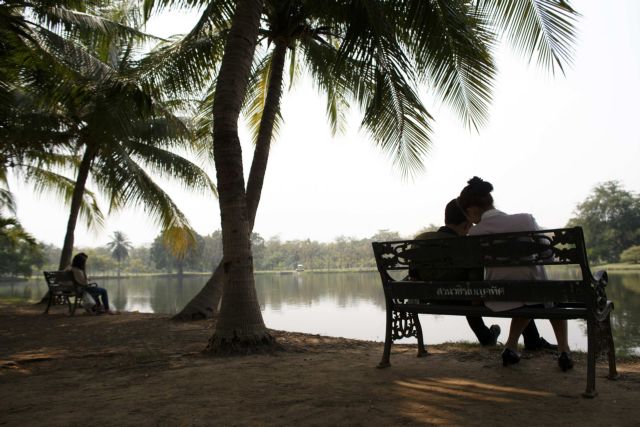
{"x": 630, "y": 268}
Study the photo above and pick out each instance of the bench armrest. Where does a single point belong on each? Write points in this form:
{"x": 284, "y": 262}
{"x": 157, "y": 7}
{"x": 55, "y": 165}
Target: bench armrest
{"x": 92, "y": 284}
{"x": 600, "y": 277}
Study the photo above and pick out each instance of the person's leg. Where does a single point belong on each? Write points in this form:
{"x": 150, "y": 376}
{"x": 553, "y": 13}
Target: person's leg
{"x": 533, "y": 341}
{"x": 95, "y": 294}
{"x": 531, "y": 335}
{"x": 510, "y": 354}
{"x": 103, "y": 296}
{"x": 485, "y": 335}
{"x": 560, "y": 328}
{"x": 518, "y": 325}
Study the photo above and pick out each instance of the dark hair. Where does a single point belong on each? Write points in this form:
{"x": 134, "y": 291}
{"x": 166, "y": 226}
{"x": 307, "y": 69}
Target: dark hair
{"x": 476, "y": 193}
{"x": 80, "y": 260}
{"x": 453, "y": 214}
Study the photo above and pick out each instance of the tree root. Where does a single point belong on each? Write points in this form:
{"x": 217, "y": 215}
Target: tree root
{"x": 236, "y": 346}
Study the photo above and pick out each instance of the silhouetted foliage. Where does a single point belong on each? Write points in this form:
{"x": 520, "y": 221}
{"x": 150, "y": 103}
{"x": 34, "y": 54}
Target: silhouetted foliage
{"x": 610, "y": 217}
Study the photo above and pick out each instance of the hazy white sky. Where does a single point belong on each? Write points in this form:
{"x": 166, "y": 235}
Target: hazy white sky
{"x": 549, "y": 140}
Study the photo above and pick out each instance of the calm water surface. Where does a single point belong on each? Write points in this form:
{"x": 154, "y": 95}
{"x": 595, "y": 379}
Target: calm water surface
{"x": 343, "y": 304}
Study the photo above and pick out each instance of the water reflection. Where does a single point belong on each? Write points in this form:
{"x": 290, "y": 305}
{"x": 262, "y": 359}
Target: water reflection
{"x": 344, "y": 304}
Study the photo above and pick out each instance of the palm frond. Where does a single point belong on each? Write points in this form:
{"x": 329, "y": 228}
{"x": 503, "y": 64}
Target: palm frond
{"x": 127, "y": 184}
{"x": 179, "y": 240}
{"x": 62, "y": 187}
{"x": 451, "y": 45}
{"x": 7, "y": 201}
{"x": 540, "y": 29}
{"x": 256, "y": 96}
{"x": 170, "y": 165}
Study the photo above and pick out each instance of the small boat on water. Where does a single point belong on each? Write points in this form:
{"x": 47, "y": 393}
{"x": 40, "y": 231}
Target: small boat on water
{"x": 299, "y": 268}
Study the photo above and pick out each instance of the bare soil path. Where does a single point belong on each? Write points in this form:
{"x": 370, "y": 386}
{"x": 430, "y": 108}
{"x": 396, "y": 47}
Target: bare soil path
{"x": 143, "y": 369}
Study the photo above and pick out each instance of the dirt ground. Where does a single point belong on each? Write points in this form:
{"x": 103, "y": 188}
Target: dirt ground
{"x": 143, "y": 369}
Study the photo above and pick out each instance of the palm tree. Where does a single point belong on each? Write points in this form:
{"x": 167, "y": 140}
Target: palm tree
{"x": 449, "y": 45}
{"x": 447, "y": 41}
{"x": 19, "y": 251}
{"x": 69, "y": 84}
{"x": 240, "y": 326}
{"x": 34, "y": 75}
{"x": 124, "y": 129}
{"x": 119, "y": 247}
{"x": 301, "y": 26}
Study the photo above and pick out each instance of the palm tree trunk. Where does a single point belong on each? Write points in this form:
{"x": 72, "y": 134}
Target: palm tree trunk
{"x": 205, "y": 304}
{"x": 240, "y": 327}
{"x": 76, "y": 201}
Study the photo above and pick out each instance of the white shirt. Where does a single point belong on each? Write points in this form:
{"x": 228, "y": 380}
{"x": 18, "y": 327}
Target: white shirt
{"x": 495, "y": 221}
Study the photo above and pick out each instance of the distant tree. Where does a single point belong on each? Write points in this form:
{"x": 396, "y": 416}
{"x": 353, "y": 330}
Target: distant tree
{"x": 385, "y": 235}
{"x": 610, "y": 217}
{"x": 19, "y": 251}
{"x": 631, "y": 255}
{"x": 428, "y": 228}
{"x": 100, "y": 261}
{"x": 168, "y": 254}
{"x": 119, "y": 247}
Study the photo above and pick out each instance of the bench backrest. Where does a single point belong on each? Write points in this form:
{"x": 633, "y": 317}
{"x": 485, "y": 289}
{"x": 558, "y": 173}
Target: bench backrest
{"x": 60, "y": 282}
{"x": 518, "y": 249}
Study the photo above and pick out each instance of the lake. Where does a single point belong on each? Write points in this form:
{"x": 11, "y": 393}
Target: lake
{"x": 347, "y": 305}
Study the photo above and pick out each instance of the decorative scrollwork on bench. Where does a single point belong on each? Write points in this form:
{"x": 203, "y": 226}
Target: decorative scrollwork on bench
{"x": 541, "y": 247}
{"x": 402, "y": 324}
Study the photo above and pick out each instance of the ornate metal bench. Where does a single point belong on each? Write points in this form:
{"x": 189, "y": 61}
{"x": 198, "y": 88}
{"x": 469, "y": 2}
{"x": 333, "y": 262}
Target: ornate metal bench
{"x": 582, "y": 298}
{"x": 62, "y": 288}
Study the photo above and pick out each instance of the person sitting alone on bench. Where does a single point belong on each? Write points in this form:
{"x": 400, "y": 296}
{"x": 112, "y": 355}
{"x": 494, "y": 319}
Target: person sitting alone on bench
{"x": 477, "y": 203}
{"x": 457, "y": 224}
{"x": 78, "y": 264}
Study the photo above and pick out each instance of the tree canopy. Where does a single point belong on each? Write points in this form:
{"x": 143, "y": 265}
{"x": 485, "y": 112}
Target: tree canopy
{"x": 610, "y": 218}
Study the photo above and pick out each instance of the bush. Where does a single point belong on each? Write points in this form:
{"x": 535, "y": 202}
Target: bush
{"x": 631, "y": 255}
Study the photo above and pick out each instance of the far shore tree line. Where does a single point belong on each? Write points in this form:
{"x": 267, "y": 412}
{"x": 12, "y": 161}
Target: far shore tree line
{"x": 610, "y": 217}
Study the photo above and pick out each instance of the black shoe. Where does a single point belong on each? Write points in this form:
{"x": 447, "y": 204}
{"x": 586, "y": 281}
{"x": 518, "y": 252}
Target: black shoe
{"x": 542, "y": 344}
{"x": 510, "y": 357}
{"x": 565, "y": 362}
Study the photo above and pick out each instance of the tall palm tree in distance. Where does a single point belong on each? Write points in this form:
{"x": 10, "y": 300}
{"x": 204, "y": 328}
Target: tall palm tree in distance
{"x": 119, "y": 245}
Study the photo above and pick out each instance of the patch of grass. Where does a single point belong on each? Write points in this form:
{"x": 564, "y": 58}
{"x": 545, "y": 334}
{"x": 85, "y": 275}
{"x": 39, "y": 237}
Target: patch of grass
{"x": 635, "y": 268}
{"x": 14, "y": 300}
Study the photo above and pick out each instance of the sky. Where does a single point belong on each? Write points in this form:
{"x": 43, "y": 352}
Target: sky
{"x": 548, "y": 141}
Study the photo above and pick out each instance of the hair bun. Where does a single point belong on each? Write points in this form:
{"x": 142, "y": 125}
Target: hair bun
{"x": 480, "y": 186}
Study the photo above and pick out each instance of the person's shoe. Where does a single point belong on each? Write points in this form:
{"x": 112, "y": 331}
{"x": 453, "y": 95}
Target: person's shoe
{"x": 542, "y": 344}
{"x": 509, "y": 357}
{"x": 564, "y": 362}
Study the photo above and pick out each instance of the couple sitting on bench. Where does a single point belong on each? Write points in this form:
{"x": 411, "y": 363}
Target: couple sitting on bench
{"x": 475, "y": 206}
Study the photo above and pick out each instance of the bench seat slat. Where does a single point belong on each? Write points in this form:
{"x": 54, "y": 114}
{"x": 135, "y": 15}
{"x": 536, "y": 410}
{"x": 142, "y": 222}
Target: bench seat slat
{"x": 561, "y": 312}
{"x": 533, "y": 291}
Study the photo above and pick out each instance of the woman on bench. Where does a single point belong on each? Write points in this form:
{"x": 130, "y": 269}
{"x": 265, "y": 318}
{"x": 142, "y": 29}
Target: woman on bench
{"x": 477, "y": 203}
{"x": 78, "y": 264}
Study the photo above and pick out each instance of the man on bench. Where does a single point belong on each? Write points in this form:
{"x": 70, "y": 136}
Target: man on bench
{"x": 457, "y": 224}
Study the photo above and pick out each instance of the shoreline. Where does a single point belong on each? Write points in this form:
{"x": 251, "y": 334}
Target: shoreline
{"x": 618, "y": 267}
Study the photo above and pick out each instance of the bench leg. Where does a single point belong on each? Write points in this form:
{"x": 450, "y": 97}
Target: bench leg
{"x": 46, "y": 310}
{"x": 592, "y": 348}
{"x": 75, "y": 305}
{"x": 422, "y": 351}
{"x": 69, "y": 305}
{"x": 611, "y": 350}
{"x": 386, "y": 354}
